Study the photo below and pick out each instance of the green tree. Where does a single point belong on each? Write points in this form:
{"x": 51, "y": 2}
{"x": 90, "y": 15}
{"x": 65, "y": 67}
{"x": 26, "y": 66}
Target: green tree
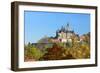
{"x": 31, "y": 52}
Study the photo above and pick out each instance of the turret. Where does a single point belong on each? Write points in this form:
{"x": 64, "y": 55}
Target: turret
{"x": 67, "y": 28}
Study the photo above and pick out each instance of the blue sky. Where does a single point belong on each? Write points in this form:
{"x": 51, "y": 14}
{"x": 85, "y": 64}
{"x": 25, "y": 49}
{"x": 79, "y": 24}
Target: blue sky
{"x": 40, "y": 24}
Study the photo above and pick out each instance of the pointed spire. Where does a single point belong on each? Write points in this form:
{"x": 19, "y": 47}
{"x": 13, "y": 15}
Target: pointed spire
{"x": 67, "y": 24}
{"x": 67, "y": 27}
{"x": 62, "y": 28}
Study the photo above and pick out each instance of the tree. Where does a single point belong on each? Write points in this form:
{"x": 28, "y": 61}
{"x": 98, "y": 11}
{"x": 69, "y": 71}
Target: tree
{"x": 32, "y": 53}
{"x": 54, "y": 53}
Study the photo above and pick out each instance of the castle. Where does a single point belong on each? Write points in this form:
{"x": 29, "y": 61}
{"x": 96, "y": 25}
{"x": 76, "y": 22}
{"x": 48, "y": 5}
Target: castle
{"x": 64, "y": 35}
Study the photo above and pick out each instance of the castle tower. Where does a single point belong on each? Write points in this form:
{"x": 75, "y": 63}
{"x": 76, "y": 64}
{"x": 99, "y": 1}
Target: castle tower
{"x": 67, "y": 28}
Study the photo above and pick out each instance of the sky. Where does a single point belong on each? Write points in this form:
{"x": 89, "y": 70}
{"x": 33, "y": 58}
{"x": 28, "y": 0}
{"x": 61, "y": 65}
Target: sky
{"x": 39, "y": 24}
